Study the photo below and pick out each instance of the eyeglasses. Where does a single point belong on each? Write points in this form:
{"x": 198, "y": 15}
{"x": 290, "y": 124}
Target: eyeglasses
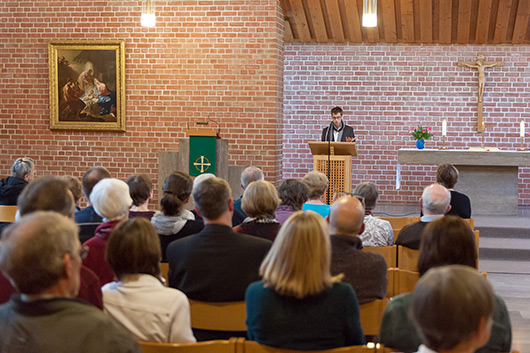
{"x": 339, "y": 194}
{"x": 83, "y": 252}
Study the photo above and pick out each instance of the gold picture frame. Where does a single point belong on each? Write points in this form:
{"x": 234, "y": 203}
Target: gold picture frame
{"x": 87, "y": 85}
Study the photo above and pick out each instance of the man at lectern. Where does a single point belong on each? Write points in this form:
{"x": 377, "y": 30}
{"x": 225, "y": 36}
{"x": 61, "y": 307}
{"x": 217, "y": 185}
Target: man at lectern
{"x": 337, "y": 130}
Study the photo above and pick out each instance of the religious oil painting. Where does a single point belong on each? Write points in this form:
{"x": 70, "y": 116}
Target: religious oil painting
{"x": 87, "y": 85}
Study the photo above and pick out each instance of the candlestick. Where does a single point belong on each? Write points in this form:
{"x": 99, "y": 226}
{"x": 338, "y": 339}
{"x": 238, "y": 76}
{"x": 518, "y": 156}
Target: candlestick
{"x": 521, "y": 129}
{"x": 443, "y": 142}
{"x": 522, "y": 143}
{"x": 444, "y": 127}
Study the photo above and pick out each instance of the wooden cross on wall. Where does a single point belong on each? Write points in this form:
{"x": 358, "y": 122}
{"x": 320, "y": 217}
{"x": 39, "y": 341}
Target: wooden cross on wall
{"x": 480, "y": 65}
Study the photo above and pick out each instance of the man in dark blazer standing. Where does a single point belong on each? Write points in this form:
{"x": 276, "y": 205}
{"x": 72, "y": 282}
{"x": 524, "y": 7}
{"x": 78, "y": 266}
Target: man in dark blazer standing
{"x": 338, "y": 131}
{"x": 217, "y": 264}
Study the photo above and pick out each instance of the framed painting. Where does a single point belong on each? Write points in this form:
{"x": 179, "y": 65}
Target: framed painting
{"x": 87, "y": 85}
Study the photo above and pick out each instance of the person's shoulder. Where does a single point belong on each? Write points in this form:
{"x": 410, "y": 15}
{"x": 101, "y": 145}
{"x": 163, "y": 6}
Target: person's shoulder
{"x": 252, "y": 240}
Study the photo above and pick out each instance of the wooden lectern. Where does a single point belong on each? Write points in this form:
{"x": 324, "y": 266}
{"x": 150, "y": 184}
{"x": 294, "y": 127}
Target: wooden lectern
{"x": 339, "y": 161}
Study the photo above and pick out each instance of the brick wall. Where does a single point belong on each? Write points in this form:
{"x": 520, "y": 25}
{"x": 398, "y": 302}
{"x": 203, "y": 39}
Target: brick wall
{"x": 386, "y": 90}
{"x": 221, "y": 59}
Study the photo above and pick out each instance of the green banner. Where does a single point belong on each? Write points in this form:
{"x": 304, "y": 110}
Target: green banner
{"x": 202, "y": 155}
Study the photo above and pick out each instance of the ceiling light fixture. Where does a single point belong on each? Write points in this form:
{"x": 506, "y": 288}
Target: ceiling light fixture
{"x": 369, "y": 13}
{"x": 148, "y": 18}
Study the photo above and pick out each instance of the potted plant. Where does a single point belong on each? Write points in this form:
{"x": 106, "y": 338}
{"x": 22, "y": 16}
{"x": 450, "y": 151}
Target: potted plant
{"x": 421, "y": 134}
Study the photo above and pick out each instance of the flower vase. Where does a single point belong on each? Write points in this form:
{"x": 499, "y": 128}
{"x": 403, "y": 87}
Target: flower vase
{"x": 420, "y": 144}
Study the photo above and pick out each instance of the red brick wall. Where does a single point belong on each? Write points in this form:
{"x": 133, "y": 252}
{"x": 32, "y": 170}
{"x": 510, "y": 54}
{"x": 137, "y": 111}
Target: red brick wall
{"x": 221, "y": 59}
{"x": 388, "y": 89}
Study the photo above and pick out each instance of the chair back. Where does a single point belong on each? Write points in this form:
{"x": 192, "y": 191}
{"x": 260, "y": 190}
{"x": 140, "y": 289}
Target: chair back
{"x": 221, "y": 316}
{"x": 404, "y": 281}
{"x": 388, "y": 252}
{"x": 371, "y": 316}
{"x": 164, "y": 269}
{"x": 217, "y": 346}
{"x": 399, "y": 222}
{"x": 407, "y": 258}
{"x": 255, "y": 347}
{"x": 87, "y": 231}
{"x": 470, "y": 221}
{"x": 7, "y": 213}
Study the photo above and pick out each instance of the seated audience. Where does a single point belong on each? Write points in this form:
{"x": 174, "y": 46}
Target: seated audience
{"x": 434, "y": 204}
{"x": 298, "y": 305}
{"x": 42, "y": 256}
{"x": 377, "y": 232}
{"x": 248, "y": 175}
{"x": 141, "y": 192}
{"x": 317, "y": 184}
{"x": 51, "y": 193}
{"x": 365, "y": 271}
{"x": 447, "y": 175}
{"x": 260, "y": 202}
{"x": 293, "y": 194}
{"x": 111, "y": 200}
{"x": 452, "y": 307}
{"x": 74, "y": 185}
{"x": 90, "y": 179}
{"x": 139, "y": 299}
{"x": 22, "y": 172}
{"x": 446, "y": 241}
{"x": 174, "y": 221}
{"x": 217, "y": 264}
{"x": 237, "y": 218}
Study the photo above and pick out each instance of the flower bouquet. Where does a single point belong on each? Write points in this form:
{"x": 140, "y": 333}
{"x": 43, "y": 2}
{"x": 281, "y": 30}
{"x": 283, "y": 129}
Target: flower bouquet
{"x": 421, "y": 134}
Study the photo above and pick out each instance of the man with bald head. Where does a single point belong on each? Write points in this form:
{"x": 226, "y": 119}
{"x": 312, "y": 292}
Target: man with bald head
{"x": 435, "y": 203}
{"x": 42, "y": 256}
{"x": 365, "y": 271}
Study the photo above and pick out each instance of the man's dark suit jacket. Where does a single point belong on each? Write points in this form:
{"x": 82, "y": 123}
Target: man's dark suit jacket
{"x": 348, "y": 132}
{"x": 217, "y": 264}
{"x": 88, "y": 215}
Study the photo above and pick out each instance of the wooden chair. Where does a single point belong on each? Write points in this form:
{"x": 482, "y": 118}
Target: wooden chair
{"x": 371, "y": 316}
{"x": 388, "y": 252}
{"x": 471, "y": 222}
{"x": 7, "y": 213}
{"x": 390, "y": 273}
{"x": 217, "y": 346}
{"x": 407, "y": 258}
{"x": 399, "y": 222}
{"x": 225, "y": 316}
{"x": 477, "y": 233}
{"x": 164, "y": 269}
{"x": 255, "y": 347}
{"x": 404, "y": 281}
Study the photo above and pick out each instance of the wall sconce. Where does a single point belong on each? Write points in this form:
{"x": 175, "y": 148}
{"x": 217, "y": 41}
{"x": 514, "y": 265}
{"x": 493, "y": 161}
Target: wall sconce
{"x": 148, "y": 18}
{"x": 369, "y": 13}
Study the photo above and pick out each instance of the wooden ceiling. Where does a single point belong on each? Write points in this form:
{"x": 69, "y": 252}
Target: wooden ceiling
{"x": 409, "y": 21}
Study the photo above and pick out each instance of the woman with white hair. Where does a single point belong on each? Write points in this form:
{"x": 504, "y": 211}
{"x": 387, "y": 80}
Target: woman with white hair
{"x": 298, "y": 304}
{"x": 22, "y": 172}
{"x": 111, "y": 200}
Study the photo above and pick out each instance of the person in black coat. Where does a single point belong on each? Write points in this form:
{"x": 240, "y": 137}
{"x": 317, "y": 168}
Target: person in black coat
{"x": 23, "y": 171}
{"x": 447, "y": 175}
{"x": 338, "y": 131}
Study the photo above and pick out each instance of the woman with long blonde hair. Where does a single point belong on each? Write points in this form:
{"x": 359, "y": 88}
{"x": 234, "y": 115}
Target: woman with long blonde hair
{"x": 298, "y": 304}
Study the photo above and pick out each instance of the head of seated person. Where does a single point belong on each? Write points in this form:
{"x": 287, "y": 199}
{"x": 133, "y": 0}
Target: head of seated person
{"x": 317, "y": 184}
{"x": 140, "y": 190}
{"x": 298, "y": 263}
{"x": 177, "y": 190}
{"x": 75, "y": 187}
{"x": 369, "y": 192}
{"x": 134, "y": 248}
{"x": 91, "y": 178}
{"x": 213, "y": 200}
{"x": 293, "y": 193}
{"x": 435, "y": 200}
{"x": 452, "y": 308}
{"x": 447, "y": 175}
{"x": 111, "y": 200}
{"x": 260, "y": 200}
{"x": 24, "y": 168}
{"x": 49, "y": 193}
{"x": 447, "y": 241}
{"x": 251, "y": 174}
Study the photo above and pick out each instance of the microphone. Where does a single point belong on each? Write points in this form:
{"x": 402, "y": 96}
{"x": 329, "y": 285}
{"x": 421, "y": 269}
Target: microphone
{"x": 330, "y": 131}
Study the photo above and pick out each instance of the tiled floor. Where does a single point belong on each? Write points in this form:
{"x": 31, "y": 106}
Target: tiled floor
{"x": 510, "y": 279}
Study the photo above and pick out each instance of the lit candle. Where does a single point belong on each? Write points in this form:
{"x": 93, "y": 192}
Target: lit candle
{"x": 444, "y": 128}
{"x": 521, "y": 129}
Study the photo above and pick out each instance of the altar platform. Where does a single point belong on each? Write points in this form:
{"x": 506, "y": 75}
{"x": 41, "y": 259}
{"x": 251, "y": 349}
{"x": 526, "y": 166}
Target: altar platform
{"x": 489, "y": 178}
